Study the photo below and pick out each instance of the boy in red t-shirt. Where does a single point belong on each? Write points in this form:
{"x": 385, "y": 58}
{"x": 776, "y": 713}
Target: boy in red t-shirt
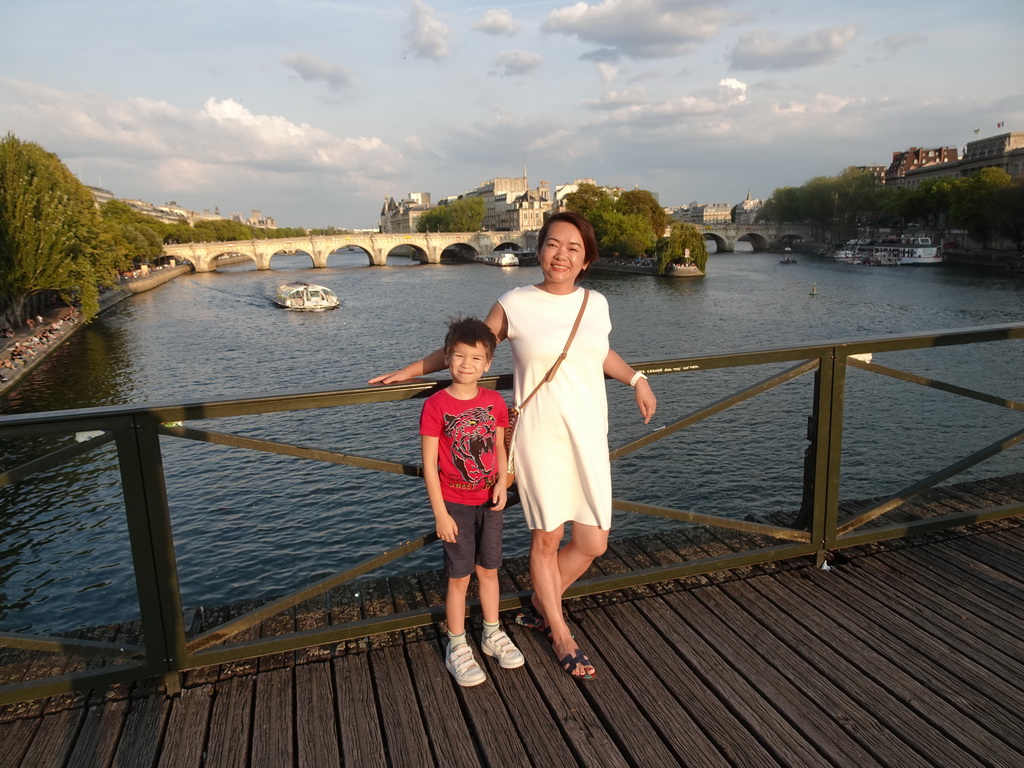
{"x": 462, "y": 430}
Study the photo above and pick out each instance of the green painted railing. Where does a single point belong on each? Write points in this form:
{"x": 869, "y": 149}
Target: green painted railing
{"x": 167, "y": 650}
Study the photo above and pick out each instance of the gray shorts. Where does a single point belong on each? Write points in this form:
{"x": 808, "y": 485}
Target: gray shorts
{"x": 478, "y": 542}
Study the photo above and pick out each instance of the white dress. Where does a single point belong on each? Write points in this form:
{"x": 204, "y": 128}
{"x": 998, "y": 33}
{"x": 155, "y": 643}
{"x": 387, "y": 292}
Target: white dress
{"x": 561, "y": 449}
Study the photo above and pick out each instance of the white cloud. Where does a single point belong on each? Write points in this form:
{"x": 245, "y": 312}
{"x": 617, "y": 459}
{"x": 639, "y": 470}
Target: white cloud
{"x": 640, "y": 29}
{"x": 311, "y": 69}
{"x": 765, "y": 49}
{"x": 516, "y": 63}
{"x": 427, "y": 36}
{"x": 612, "y": 100}
{"x": 497, "y": 22}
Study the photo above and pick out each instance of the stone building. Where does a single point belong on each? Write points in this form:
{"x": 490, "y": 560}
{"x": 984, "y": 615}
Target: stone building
{"x": 1005, "y": 151}
{"x": 401, "y": 217}
{"x": 912, "y": 159}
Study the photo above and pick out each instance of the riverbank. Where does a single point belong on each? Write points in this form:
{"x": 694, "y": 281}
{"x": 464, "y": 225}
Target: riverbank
{"x": 645, "y": 267}
{"x": 28, "y": 347}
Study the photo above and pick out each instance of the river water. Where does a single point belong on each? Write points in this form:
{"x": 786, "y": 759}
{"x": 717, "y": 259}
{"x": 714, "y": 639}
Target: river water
{"x": 256, "y": 526}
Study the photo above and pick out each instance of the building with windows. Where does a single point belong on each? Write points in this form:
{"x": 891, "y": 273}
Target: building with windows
{"x": 703, "y": 213}
{"x": 912, "y": 159}
{"x": 1005, "y": 151}
{"x": 401, "y": 217}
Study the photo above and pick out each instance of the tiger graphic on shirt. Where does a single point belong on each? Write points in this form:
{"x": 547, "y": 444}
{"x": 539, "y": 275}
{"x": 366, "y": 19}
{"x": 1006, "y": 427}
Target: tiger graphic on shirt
{"x": 472, "y": 436}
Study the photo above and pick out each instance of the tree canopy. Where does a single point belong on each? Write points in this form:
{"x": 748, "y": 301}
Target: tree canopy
{"x": 52, "y": 237}
{"x": 463, "y": 215}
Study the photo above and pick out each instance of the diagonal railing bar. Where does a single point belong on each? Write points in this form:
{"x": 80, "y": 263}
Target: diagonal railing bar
{"x": 51, "y": 644}
{"x": 687, "y": 516}
{"x": 288, "y": 449}
{"x": 53, "y": 459}
{"x": 932, "y": 480}
{"x": 924, "y": 381}
{"x": 715, "y": 408}
{"x": 265, "y": 611}
{"x": 929, "y": 525}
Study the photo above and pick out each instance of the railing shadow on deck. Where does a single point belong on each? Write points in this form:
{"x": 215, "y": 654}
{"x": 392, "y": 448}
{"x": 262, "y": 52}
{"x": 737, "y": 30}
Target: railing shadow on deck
{"x": 168, "y": 649}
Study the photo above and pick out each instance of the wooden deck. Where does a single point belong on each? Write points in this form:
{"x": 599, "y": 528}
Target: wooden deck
{"x": 909, "y": 653}
{"x": 904, "y": 655}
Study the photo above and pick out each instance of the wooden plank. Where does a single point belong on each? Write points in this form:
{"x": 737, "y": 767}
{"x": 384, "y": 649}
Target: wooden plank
{"x": 933, "y": 664}
{"x": 187, "y": 723}
{"x": 228, "y": 742}
{"x": 282, "y": 624}
{"x": 15, "y": 737}
{"x": 824, "y": 720}
{"x": 273, "y": 720}
{"x": 98, "y": 737}
{"x": 808, "y": 650}
{"x": 584, "y": 732}
{"x": 54, "y": 739}
{"x": 362, "y": 743}
{"x": 401, "y": 719}
{"x": 312, "y": 614}
{"x": 887, "y": 672}
{"x": 954, "y": 612}
{"x": 932, "y": 643}
{"x": 142, "y": 733}
{"x": 442, "y": 713}
{"x": 537, "y": 730}
{"x": 315, "y": 725}
{"x": 762, "y": 719}
{"x": 643, "y": 713}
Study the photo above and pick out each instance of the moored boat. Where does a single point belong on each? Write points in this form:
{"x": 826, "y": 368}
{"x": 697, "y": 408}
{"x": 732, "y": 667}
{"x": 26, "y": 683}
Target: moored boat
{"x": 908, "y": 252}
{"x": 308, "y": 297}
{"x": 499, "y": 259}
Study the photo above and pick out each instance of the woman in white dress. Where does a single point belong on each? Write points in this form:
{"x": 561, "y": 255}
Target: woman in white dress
{"x": 562, "y": 465}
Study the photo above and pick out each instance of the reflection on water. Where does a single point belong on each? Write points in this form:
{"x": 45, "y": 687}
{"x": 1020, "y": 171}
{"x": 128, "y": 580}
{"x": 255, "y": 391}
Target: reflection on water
{"x": 252, "y": 525}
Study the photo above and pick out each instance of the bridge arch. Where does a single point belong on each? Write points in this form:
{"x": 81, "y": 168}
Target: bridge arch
{"x": 290, "y": 252}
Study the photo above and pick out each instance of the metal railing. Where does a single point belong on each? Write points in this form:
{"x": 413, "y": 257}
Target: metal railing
{"x": 167, "y": 650}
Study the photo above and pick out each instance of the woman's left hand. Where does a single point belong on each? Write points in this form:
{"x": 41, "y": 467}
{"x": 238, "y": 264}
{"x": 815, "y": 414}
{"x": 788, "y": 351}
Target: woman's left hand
{"x": 645, "y": 399}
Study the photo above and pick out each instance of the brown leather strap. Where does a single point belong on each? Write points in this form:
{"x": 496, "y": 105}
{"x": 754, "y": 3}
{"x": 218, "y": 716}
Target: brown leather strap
{"x": 572, "y": 334}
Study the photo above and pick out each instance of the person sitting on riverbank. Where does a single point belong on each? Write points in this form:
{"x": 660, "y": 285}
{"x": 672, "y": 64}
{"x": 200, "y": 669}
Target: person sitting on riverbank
{"x": 462, "y": 435}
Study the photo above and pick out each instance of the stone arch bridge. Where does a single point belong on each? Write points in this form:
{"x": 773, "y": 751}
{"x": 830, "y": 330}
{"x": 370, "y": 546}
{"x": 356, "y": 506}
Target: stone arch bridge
{"x": 761, "y": 236}
{"x": 426, "y": 247}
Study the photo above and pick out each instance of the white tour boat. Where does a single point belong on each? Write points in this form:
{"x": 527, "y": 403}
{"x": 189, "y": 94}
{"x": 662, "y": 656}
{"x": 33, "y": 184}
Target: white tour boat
{"x": 305, "y": 296}
{"x": 499, "y": 259}
{"x": 909, "y": 251}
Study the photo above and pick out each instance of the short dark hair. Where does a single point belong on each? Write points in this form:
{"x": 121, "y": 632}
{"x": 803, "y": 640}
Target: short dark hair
{"x": 586, "y": 230}
{"x": 469, "y": 331}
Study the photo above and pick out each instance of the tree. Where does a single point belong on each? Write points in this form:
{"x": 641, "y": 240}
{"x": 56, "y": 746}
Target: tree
{"x": 623, "y": 235}
{"x": 589, "y": 200}
{"x": 640, "y": 202}
{"x": 51, "y": 235}
{"x": 463, "y": 215}
{"x": 973, "y": 202}
{"x": 682, "y": 237}
{"x": 1009, "y": 212}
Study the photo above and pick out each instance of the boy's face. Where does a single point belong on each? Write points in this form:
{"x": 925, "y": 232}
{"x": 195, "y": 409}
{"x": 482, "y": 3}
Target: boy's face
{"x": 468, "y": 362}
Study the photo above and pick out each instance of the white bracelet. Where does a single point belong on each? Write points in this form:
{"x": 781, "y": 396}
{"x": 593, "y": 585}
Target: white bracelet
{"x": 636, "y": 377}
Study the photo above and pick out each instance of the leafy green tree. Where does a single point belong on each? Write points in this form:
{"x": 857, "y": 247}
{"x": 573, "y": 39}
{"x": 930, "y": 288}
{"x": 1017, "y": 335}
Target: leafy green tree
{"x": 641, "y": 202}
{"x": 52, "y": 237}
{"x": 589, "y": 200}
{"x": 673, "y": 249}
{"x": 463, "y": 215}
{"x": 785, "y": 205}
{"x": 973, "y": 202}
{"x": 622, "y": 235}
{"x": 141, "y": 236}
{"x": 1009, "y": 212}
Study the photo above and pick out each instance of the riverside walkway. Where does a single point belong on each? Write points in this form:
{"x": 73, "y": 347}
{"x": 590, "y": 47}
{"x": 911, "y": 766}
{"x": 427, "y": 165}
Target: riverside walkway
{"x": 906, "y": 653}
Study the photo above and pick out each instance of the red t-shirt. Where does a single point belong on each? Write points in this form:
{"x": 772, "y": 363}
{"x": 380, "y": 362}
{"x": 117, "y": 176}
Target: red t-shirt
{"x": 465, "y": 429}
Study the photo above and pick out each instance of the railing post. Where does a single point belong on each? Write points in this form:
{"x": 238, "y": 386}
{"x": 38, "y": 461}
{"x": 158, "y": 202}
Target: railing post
{"x": 830, "y": 389}
{"x": 149, "y": 529}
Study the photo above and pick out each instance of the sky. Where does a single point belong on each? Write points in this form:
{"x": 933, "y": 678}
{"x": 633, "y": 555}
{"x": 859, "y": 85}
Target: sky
{"x": 315, "y": 111}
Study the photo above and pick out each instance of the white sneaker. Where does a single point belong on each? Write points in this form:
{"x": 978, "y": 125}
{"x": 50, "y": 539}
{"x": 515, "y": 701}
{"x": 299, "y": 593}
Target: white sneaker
{"x": 460, "y": 662}
{"x": 501, "y": 647}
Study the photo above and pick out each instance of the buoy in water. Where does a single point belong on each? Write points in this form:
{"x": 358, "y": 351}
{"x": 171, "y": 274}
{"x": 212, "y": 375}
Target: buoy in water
{"x": 814, "y": 289}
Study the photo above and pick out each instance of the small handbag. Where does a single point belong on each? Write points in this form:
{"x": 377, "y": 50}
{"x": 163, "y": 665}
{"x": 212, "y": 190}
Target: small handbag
{"x": 514, "y": 412}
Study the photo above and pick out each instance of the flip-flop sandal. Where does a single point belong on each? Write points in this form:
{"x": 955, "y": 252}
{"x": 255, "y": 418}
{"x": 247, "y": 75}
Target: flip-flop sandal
{"x": 570, "y": 661}
{"x": 529, "y": 618}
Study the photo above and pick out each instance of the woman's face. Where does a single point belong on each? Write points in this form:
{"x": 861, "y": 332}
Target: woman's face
{"x": 561, "y": 256}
